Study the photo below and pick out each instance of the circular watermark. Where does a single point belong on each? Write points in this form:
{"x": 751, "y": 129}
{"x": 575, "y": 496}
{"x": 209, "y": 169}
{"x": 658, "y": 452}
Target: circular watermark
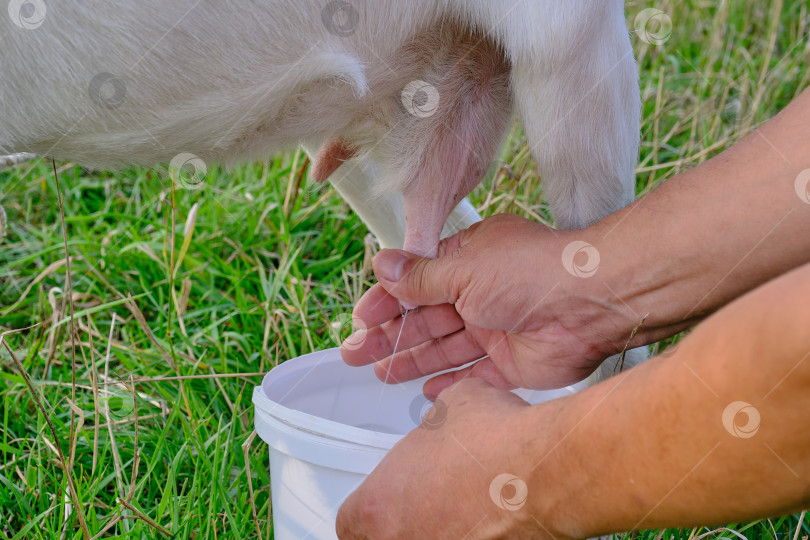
{"x": 653, "y": 26}
{"x": 732, "y": 111}
{"x": 508, "y": 492}
{"x": 340, "y": 18}
{"x": 744, "y": 431}
{"x": 188, "y": 170}
{"x": 119, "y": 403}
{"x": 349, "y": 331}
{"x": 420, "y": 98}
{"x": 107, "y": 90}
{"x": 427, "y": 414}
{"x": 27, "y": 14}
{"x": 802, "y": 185}
{"x": 580, "y": 259}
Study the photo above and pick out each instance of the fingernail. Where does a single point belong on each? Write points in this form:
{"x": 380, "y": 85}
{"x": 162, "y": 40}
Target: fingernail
{"x": 390, "y": 263}
{"x": 355, "y": 340}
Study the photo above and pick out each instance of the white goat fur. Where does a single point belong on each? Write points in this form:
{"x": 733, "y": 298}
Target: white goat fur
{"x": 230, "y": 81}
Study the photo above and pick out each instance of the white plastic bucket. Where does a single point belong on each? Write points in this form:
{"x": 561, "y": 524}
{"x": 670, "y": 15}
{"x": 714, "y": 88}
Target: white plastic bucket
{"x": 328, "y": 425}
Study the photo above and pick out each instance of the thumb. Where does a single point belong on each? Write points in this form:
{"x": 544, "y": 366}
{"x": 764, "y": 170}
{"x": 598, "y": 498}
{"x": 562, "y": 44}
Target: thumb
{"x": 417, "y": 280}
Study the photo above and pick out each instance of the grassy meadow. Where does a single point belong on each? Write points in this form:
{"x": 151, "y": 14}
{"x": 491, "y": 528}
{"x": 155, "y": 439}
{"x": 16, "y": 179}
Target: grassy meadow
{"x": 194, "y": 293}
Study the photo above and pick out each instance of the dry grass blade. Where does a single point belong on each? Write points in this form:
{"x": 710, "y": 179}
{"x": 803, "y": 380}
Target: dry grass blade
{"x": 50, "y": 269}
{"x": 53, "y": 337}
{"x": 620, "y": 362}
{"x": 182, "y": 303}
{"x": 143, "y": 517}
{"x": 169, "y": 338}
{"x": 711, "y": 534}
{"x": 188, "y": 233}
{"x": 79, "y": 426}
{"x": 108, "y": 526}
{"x": 190, "y": 377}
{"x": 96, "y": 406}
{"x": 116, "y": 457}
{"x": 127, "y": 421}
{"x": 18, "y": 330}
{"x": 294, "y": 183}
{"x": 138, "y": 314}
{"x": 136, "y": 459}
{"x": 799, "y": 525}
{"x": 68, "y": 475}
{"x": 69, "y": 283}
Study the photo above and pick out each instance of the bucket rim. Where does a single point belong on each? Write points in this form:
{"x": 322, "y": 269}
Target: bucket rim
{"x": 311, "y": 424}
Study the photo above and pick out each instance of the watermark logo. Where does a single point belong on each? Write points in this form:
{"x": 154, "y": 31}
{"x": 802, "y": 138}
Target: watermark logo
{"x": 580, "y": 259}
{"x": 119, "y": 404}
{"x": 732, "y": 111}
{"x": 349, "y": 331}
{"x": 107, "y": 90}
{"x": 802, "y": 185}
{"x": 428, "y": 414}
{"x": 188, "y": 170}
{"x": 653, "y": 26}
{"x": 508, "y": 492}
{"x": 27, "y": 14}
{"x": 340, "y": 18}
{"x": 730, "y": 415}
{"x": 420, "y": 98}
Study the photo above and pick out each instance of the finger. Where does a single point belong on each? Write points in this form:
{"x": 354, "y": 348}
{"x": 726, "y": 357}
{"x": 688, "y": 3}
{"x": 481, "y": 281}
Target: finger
{"x": 419, "y": 281}
{"x": 446, "y": 245}
{"x": 477, "y": 393}
{"x": 436, "y": 355}
{"x": 452, "y": 243}
{"x": 345, "y": 524}
{"x": 421, "y": 325}
{"x": 483, "y": 369}
{"x": 375, "y": 307}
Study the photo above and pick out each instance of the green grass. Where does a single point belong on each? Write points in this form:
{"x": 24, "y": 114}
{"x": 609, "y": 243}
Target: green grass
{"x": 271, "y": 272}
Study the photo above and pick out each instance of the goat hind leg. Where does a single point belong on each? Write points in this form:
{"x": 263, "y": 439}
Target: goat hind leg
{"x": 581, "y": 119}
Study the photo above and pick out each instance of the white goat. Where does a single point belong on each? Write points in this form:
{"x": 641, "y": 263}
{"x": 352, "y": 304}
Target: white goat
{"x": 414, "y": 95}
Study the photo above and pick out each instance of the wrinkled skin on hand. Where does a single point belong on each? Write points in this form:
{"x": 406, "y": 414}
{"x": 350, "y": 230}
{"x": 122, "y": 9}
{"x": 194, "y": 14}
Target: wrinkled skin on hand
{"x": 498, "y": 289}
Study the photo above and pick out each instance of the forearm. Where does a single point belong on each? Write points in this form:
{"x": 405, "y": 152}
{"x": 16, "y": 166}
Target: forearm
{"x": 710, "y": 234}
{"x": 649, "y": 447}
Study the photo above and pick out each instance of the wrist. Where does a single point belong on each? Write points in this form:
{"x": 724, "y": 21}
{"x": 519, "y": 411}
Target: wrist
{"x": 517, "y": 497}
{"x": 636, "y": 295}
{"x": 577, "y": 470}
{"x": 554, "y": 482}
{"x": 601, "y": 288}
